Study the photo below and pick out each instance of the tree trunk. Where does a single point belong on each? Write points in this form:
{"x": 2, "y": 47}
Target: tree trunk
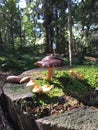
{"x": 47, "y": 25}
{"x": 70, "y": 31}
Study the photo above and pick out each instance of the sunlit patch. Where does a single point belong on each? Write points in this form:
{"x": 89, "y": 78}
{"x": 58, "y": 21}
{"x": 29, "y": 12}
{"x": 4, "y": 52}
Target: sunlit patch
{"x": 22, "y": 4}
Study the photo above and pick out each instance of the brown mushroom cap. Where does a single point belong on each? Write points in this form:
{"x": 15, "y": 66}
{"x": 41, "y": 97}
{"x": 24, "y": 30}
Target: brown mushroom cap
{"x": 50, "y": 61}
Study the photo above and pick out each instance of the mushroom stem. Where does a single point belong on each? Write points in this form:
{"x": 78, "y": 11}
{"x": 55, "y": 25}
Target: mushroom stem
{"x": 50, "y": 73}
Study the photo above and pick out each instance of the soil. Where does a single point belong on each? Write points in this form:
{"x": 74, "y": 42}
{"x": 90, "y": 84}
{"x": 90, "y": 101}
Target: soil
{"x": 37, "y": 110}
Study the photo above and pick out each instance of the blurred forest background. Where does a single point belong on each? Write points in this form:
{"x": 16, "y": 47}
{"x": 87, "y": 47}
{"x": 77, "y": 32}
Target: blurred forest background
{"x": 30, "y": 28}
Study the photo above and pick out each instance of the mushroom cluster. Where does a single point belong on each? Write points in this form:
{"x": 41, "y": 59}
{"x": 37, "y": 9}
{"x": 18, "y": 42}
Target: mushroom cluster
{"x": 50, "y": 62}
{"x": 35, "y": 88}
{"x": 31, "y": 84}
{"x": 17, "y": 79}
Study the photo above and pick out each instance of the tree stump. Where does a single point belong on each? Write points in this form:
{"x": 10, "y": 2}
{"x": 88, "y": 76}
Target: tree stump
{"x": 14, "y": 92}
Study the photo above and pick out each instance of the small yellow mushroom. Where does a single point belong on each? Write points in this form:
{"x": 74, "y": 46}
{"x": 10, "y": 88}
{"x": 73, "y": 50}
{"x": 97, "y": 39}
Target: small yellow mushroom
{"x": 73, "y": 73}
{"x": 80, "y": 76}
{"x": 37, "y": 89}
{"x": 31, "y": 84}
{"x": 46, "y": 88}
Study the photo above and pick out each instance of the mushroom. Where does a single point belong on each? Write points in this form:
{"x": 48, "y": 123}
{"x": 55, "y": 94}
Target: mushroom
{"x": 34, "y": 87}
{"x": 50, "y": 62}
{"x": 46, "y": 88}
{"x": 31, "y": 84}
{"x": 76, "y": 75}
{"x": 13, "y": 79}
{"x": 25, "y": 79}
{"x": 73, "y": 73}
{"x": 37, "y": 89}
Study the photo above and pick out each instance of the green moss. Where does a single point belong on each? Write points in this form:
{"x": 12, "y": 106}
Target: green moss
{"x": 64, "y": 84}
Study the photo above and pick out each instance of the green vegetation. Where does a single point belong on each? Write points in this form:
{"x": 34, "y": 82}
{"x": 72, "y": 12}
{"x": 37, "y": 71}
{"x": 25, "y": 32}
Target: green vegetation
{"x": 64, "y": 84}
{"x": 17, "y": 62}
{"x": 38, "y": 23}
